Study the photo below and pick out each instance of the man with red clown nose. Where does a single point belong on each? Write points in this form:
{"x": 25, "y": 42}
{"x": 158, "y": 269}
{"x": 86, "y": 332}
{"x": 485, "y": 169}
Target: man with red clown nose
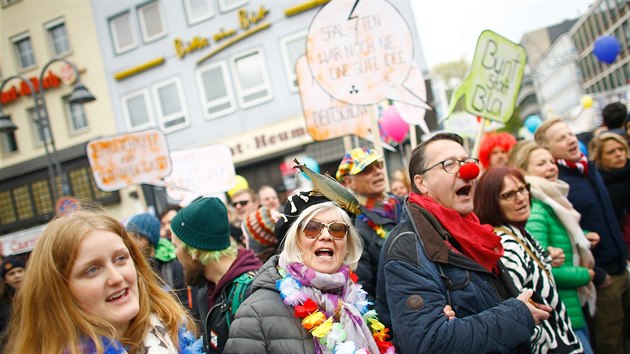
{"x": 439, "y": 255}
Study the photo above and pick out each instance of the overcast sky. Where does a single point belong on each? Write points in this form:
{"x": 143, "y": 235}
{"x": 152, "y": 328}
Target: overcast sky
{"x": 449, "y": 28}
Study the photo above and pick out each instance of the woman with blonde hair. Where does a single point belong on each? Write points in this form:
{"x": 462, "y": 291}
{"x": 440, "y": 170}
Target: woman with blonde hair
{"x": 555, "y": 223}
{"x": 89, "y": 289}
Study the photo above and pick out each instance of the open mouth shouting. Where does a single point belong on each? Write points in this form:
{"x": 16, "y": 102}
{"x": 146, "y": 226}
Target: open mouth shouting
{"x": 465, "y": 191}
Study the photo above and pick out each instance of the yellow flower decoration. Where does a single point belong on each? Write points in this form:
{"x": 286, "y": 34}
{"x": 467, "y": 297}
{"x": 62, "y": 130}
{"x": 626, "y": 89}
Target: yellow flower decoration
{"x": 313, "y": 320}
{"x": 323, "y": 329}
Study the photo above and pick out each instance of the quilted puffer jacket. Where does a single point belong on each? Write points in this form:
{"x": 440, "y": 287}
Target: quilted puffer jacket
{"x": 419, "y": 275}
{"x": 264, "y": 324}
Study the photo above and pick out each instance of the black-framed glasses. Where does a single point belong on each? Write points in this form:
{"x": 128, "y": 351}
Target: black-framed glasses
{"x": 452, "y": 166}
{"x": 241, "y": 203}
{"x": 511, "y": 195}
{"x": 336, "y": 229}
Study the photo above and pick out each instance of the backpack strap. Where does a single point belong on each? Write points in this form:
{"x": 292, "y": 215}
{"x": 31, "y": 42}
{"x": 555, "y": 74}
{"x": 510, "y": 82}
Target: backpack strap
{"x": 238, "y": 293}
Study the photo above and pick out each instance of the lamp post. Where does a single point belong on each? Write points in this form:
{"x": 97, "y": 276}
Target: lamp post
{"x": 79, "y": 95}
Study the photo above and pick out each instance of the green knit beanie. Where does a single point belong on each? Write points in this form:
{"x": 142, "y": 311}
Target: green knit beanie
{"x": 203, "y": 224}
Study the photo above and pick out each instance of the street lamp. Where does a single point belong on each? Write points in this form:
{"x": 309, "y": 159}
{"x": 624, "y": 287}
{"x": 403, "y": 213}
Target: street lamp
{"x": 79, "y": 95}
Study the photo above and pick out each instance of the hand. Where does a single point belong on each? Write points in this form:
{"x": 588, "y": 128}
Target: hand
{"x": 606, "y": 283}
{"x": 593, "y": 237}
{"x": 557, "y": 256}
{"x": 539, "y": 312}
{"x": 591, "y": 273}
{"x": 448, "y": 312}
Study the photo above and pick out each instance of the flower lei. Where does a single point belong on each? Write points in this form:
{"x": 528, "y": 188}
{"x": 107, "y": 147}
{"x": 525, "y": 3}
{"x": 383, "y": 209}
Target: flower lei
{"x": 379, "y": 229}
{"x": 328, "y": 330}
{"x": 187, "y": 343}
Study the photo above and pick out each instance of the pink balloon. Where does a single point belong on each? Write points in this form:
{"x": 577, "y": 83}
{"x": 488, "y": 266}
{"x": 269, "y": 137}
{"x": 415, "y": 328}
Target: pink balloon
{"x": 393, "y": 125}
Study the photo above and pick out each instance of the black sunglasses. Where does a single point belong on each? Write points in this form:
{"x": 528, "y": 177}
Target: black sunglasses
{"x": 241, "y": 203}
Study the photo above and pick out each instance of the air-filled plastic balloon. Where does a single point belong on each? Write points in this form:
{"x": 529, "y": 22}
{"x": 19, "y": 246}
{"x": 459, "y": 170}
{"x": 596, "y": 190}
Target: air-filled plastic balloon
{"x": 311, "y": 164}
{"x": 583, "y": 148}
{"x": 532, "y": 123}
{"x": 606, "y": 49}
{"x": 392, "y": 125}
{"x": 241, "y": 183}
{"x": 587, "y": 102}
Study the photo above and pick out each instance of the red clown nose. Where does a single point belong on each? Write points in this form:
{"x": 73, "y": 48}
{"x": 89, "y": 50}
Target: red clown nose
{"x": 469, "y": 171}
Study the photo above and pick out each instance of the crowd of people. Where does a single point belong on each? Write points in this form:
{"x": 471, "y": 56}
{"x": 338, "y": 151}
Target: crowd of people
{"x": 522, "y": 250}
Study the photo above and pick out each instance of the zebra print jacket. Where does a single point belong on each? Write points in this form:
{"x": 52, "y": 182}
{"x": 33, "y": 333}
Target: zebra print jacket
{"x": 530, "y": 268}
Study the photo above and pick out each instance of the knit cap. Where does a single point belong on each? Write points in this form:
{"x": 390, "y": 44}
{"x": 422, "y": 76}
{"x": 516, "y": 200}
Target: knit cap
{"x": 259, "y": 225}
{"x": 146, "y": 225}
{"x": 203, "y": 224}
{"x": 356, "y": 161}
{"x": 10, "y": 263}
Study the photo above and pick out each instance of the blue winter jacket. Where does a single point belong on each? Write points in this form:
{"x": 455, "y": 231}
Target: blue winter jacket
{"x": 589, "y": 196}
{"x": 418, "y": 275}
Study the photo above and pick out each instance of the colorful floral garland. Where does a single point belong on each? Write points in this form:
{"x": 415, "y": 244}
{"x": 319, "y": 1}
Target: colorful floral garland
{"x": 379, "y": 229}
{"x": 329, "y": 331}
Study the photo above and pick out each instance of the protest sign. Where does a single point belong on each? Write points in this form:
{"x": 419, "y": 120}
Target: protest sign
{"x": 124, "y": 160}
{"x": 361, "y": 52}
{"x": 491, "y": 87}
{"x": 200, "y": 171}
{"x": 411, "y": 114}
{"x": 327, "y": 117}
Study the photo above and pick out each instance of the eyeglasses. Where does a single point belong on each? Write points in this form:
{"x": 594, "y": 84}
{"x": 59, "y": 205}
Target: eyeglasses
{"x": 511, "y": 195}
{"x": 336, "y": 229}
{"x": 452, "y": 166}
{"x": 241, "y": 203}
{"x": 371, "y": 167}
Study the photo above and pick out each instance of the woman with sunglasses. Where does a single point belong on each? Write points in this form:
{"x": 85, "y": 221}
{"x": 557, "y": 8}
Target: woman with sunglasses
{"x": 502, "y": 199}
{"x": 555, "y": 223}
{"x": 306, "y": 299}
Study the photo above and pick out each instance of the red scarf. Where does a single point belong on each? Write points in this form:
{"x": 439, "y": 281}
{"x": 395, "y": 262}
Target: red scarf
{"x": 477, "y": 241}
{"x": 581, "y": 165}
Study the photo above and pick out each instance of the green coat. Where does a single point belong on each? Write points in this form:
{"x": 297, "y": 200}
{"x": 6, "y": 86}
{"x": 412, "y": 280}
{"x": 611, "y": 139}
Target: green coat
{"x": 545, "y": 226}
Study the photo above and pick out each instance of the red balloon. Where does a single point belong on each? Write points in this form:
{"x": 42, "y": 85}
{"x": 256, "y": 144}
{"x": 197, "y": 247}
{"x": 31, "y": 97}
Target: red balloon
{"x": 469, "y": 171}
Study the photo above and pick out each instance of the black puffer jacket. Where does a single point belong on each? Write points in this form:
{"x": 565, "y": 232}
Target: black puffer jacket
{"x": 264, "y": 324}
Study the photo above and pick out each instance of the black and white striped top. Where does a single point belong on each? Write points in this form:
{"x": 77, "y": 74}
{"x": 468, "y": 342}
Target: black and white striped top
{"x": 554, "y": 335}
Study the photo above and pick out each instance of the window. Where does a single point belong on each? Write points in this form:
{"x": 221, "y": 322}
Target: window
{"x": 293, "y": 47}
{"x": 41, "y": 131}
{"x": 218, "y": 96}
{"x": 136, "y": 110}
{"x": 9, "y": 143}
{"x": 249, "y": 71}
{"x": 198, "y": 10}
{"x": 152, "y": 22}
{"x": 77, "y": 120}
{"x": 171, "y": 107}
{"x": 229, "y": 5}
{"x": 58, "y": 37}
{"x": 24, "y": 51}
{"x": 123, "y": 36}
{"x": 42, "y": 197}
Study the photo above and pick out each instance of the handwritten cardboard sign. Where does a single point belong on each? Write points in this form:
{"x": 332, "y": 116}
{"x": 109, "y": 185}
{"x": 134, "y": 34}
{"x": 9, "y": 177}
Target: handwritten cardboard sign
{"x": 124, "y": 160}
{"x": 199, "y": 171}
{"x": 327, "y": 117}
{"x": 492, "y": 85}
{"x": 360, "y": 52}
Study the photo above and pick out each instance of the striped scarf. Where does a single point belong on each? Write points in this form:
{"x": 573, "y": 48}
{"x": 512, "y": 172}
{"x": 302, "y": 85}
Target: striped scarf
{"x": 581, "y": 165}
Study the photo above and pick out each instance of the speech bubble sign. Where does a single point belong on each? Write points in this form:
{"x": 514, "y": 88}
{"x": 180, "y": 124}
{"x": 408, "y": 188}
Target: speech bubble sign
{"x": 360, "y": 52}
{"x": 327, "y": 117}
{"x": 124, "y": 160}
{"x": 199, "y": 171}
{"x": 409, "y": 113}
{"x": 491, "y": 87}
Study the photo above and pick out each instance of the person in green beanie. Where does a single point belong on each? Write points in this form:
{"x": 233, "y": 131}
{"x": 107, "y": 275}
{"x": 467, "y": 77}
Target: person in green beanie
{"x": 211, "y": 258}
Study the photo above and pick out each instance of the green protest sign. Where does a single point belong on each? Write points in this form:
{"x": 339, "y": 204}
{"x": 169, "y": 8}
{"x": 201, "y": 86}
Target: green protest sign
{"x": 492, "y": 85}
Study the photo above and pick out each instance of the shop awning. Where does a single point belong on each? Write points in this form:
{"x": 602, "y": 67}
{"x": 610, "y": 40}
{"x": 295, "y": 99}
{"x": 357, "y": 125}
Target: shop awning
{"x": 20, "y": 241}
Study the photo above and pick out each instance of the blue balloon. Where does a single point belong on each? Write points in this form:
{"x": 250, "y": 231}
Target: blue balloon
{"x": 583, "y": 148}
{"x": 606, "y": 49}
{"x": 311, "y": 164}
{"x": 532, "y": 123}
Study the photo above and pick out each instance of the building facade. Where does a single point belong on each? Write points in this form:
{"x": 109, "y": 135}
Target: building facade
{"x": 217, "y": 72}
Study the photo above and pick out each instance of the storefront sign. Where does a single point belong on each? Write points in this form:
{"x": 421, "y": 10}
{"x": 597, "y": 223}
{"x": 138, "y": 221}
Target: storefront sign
{"x": 21, "y": 241}
{"x": 271, "y": 139}
{"x": 124, "y": 160}
{"x": 13, "y": 93}
{"x": 196, "y": 43}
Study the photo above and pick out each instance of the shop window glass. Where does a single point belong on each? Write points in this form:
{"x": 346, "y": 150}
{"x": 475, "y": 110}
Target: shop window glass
{"x": 215, "y": 85}
{"x": 42, "y": 197}
{"x": 293, "y": 47}
{"x": 136, "y": 110}
{"x": 171, "y": 107}
{"x": 122, "y": 33}
{"x": 23, "y": 202}
{"x": 251, "y": 78}
{"x": 7, "y": 212}
{"x": 198, "y": 10}
{"x": 152, "y": 22}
